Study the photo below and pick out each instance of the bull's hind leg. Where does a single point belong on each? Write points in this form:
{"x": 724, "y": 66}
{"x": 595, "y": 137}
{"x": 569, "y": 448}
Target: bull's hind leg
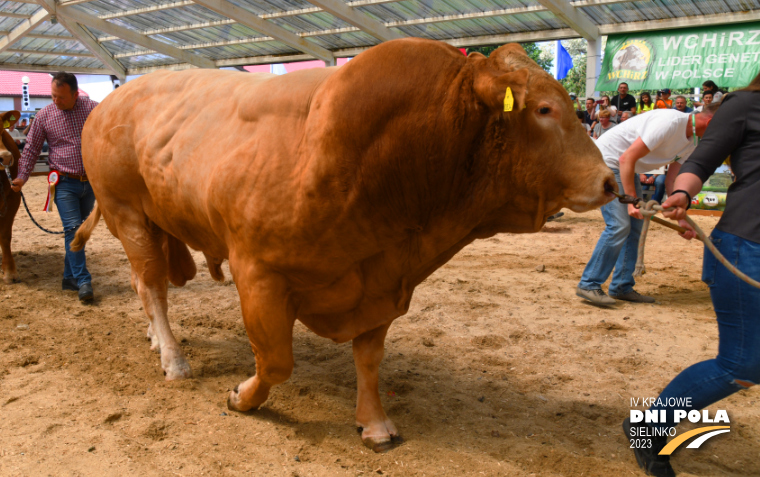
{"x": 143, "y": 245}
{"x": 268, "y": 319}
{"x": 378, "y": 432}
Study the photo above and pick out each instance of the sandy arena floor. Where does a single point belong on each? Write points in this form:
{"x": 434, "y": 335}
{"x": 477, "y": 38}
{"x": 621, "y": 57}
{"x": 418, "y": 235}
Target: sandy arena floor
{"x": 497, "y": 369}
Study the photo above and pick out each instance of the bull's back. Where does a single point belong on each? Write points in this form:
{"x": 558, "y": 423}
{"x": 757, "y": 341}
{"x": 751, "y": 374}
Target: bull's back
{"x": 167, "y": 142}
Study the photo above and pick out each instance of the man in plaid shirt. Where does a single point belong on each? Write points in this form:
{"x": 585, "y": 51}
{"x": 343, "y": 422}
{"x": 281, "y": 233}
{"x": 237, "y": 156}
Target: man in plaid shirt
{"x": 61, "y": 125}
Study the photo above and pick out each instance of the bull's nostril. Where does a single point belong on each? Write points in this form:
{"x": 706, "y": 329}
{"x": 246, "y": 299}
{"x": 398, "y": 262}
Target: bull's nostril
{"x": 610, "y": 185}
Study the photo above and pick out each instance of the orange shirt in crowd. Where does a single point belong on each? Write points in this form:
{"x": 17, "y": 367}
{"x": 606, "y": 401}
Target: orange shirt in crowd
{"x": 664, "y": 104}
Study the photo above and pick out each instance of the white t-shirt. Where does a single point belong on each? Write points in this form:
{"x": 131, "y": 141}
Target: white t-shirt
{"x": 663, "y": 132}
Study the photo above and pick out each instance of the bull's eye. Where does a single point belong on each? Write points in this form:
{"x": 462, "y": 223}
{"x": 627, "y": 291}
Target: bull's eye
{"x": 544, "y": 110}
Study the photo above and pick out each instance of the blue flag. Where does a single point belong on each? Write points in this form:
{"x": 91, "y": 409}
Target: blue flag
{"x": 563, "y": 62}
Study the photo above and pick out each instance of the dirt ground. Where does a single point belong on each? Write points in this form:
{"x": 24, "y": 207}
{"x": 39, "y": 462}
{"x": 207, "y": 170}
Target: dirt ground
{"x": 497, "y": 369}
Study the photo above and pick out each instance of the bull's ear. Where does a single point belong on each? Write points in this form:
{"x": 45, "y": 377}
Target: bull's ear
{"x": 492, "y": 88}
{"x": 10, "y": 118}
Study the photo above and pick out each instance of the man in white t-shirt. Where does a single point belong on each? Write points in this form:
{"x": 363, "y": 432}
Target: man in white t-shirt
{"x": 638, "y": 145}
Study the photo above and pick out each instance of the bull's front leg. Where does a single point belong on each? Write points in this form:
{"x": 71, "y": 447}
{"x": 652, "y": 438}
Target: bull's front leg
{"x": 378, "y": 432}
{"x": 10, "y": 274}
{"x": 269, "y": 320}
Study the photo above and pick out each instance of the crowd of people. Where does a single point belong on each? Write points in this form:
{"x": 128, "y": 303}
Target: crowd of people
{"x": 623, "y": 106}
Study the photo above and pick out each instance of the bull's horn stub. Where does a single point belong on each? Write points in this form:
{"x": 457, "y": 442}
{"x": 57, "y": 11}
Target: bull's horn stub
{"x": 509, "y": 100}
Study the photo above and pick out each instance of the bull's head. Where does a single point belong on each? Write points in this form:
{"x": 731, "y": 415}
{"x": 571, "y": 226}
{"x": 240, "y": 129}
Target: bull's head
{"x": 542, "y": 158}
{"x": 9, "y": 155}
{"x": 9, "y": 120}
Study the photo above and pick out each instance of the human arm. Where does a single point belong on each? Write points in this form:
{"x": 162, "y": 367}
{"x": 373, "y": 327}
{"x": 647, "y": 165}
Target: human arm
{"x": 628, "y": 160}
{"x": 29, "y": 127}
{"x": 35, "y": 140}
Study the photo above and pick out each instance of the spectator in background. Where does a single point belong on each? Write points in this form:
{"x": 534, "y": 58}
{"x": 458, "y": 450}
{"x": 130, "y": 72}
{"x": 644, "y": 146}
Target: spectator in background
{"x": 22, "y": 125}
{"x": 656, "y": 180}
{"x": 645, "y": 102}
{"x": 605, "y": 102}
{"x": 664, "y": 102}
{"x": 681, "y": 105}
{"x": 707, "y": 98}
{"x": 603, "y": 125}
{"x": 626, "y": 116}
{"x": 589, "y": 116}
{"x": 17, "y": 136}
{"x": 623, "y": 102}
{"x": 710, "y": 86}
{"x": 582, "y": 118}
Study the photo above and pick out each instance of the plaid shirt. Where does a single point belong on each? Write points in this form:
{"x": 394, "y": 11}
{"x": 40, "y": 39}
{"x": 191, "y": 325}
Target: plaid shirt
{"x": 63, "y": 131}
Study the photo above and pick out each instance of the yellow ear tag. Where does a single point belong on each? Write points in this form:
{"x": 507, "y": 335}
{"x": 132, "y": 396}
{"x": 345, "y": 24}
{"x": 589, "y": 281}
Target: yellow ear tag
{"x": 509, "y": 100}
{"x": 6, "y": 124}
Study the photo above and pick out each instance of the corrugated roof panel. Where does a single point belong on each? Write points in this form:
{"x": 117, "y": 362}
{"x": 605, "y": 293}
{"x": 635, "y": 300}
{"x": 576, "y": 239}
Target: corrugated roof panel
{"x": 49, "y": 60}
{"x": 345, "y": 40}
{"x": 144, "y": 61}
{"x": 19, "y": 8}
{"x": 311, "y": 22}
{"x": 260, "y": 7}
{"x": 216, "y": 33}
{"x": 246, "y": 50}
{"x": 408, "y": 10}
{"x": 168, "y": 18}
{"x": 70, "y": 44}
{"x": 7, "y": 24}
{"x": 420, "y": 18}
{"x": 47, "y": 28}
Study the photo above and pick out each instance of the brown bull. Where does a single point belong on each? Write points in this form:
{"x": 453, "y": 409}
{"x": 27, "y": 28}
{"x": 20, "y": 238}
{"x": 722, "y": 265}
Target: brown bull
{"x": 333, "y": 193}
{"x": 9, "y": 200}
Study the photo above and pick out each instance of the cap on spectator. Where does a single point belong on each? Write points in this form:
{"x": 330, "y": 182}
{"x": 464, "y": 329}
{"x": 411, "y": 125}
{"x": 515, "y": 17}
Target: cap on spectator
{"x": 666, "y": 91}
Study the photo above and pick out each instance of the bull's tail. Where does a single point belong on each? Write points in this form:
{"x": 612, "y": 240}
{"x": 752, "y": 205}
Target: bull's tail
{"x": 85, "y": 230}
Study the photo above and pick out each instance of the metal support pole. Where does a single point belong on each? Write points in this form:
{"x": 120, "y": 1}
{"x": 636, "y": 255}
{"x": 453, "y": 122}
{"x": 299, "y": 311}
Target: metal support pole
{"x": 593, "y": 66}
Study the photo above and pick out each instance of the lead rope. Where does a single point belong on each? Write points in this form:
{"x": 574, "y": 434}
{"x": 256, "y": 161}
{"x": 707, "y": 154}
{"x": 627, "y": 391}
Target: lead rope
{"x": 7, "y": 172}
{"x": 650, "y": 209}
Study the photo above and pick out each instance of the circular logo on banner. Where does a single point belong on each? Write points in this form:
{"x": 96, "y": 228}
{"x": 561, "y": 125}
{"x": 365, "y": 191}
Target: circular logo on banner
{"x": 632, "y": 60}
{"x": 710, "y": 200}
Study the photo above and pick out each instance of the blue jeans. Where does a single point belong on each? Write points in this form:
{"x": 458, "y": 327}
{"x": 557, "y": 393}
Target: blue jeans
{"x": 617, "y": 248}
{"x": 74, "y": 200}
{"x": 736, "y": 304}
{"x": 659, "y": 187}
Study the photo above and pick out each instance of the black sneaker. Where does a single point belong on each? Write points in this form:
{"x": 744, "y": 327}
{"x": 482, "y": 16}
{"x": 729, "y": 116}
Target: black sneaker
{"x": 85, "y": 292}
{"x": 648, "y": 459}
{"x": 69, "y": 284}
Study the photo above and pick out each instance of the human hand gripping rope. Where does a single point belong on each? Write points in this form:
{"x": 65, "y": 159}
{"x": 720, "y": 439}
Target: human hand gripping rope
{"x": 649, "y": 210}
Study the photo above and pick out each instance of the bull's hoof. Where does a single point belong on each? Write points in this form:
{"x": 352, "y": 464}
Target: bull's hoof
{"x": 382, "y": 444}
{"x": 178, "y": 370}
{"x": 233, "y": 403}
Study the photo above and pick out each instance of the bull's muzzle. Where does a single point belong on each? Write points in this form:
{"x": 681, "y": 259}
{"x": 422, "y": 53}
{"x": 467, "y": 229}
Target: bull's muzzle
{"x": 6, "y": 160}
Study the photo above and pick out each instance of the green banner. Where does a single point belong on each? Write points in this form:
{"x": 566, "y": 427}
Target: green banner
{"x": 727, "y": 54}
